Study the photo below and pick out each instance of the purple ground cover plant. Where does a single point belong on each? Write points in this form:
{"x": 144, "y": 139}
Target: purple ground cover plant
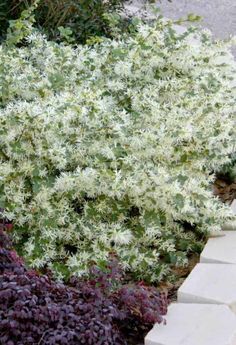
{"x": 99, "y": 310}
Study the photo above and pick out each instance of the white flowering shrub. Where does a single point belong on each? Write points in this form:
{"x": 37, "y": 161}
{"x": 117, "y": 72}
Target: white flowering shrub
{"x": 112, "y": 149}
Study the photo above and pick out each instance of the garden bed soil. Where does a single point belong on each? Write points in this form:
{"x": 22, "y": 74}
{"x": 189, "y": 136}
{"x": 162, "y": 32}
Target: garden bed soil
{"x": 225, "y": 190}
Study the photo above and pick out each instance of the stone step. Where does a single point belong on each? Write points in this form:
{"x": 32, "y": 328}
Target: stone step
{"x": 195, "y": 324}
{"x": 210, "y": 283}
{"x": 220, "y": 249}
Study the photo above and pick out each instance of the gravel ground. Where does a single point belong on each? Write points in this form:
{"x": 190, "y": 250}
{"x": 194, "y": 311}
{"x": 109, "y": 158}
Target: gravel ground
{"x": 218, "y": 15}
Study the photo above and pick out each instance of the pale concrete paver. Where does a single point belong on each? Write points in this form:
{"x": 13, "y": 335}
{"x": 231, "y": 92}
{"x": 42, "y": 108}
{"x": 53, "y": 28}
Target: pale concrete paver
{"x": 210, "y": 283}
{"x": 220, "y": 249}
{"x": 195, "y": 324}
{"x": 218, "y": 16}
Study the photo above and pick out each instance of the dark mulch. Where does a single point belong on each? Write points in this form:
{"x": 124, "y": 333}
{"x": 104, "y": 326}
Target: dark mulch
{"x": 226, "y": 190}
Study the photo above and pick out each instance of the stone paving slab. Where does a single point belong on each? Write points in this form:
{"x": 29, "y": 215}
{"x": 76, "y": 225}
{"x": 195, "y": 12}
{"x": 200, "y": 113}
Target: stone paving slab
{"x": 220, "y": 249}
{"x": 210, "y": 283}
{"x": 195, "y": 324}
{"x": 217, "y": 15}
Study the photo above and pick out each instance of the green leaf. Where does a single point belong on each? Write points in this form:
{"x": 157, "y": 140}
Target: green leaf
{"x": 193, "y": 17}
{"x": 179, "y": 200}
{"x": 182, "y": 179}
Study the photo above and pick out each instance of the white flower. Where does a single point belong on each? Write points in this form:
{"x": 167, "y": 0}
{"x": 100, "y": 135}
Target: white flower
{"x": 111, "y": 148}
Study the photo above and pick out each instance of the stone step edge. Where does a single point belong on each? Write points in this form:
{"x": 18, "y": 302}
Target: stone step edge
{"x": 195, "y": 324}
{"x": 155, "y": 342}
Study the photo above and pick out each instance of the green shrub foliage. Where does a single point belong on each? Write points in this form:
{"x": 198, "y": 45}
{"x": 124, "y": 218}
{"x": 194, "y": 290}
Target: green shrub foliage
{"x": 4, "y": 9}
{"x": 82, "y": 18}
{"x": 111, "y": 148}
{"x": 228, "y": 171}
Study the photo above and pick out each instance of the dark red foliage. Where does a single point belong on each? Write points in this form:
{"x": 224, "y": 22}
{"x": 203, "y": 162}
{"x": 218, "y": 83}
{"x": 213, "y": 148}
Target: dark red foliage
{"x": 144, "y": 304}
{"x": 36, "y": 310}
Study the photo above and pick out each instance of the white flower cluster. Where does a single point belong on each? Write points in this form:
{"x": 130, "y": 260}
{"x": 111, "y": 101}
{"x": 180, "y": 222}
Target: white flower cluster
{"x": 111, "y": 149}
